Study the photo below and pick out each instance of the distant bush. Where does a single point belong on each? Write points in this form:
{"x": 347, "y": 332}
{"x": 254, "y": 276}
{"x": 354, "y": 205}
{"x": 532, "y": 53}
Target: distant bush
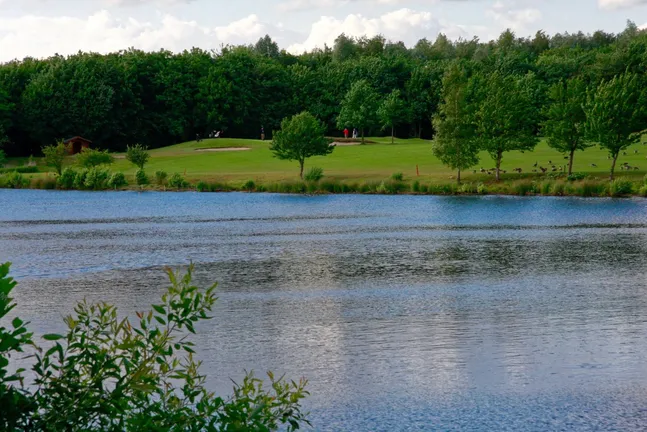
{"x": 47, "y": 183}
{"x": 381, "y": 189}
{"x": 21, "y": 169}
{"x": 546, "y": 187}
{"x": 141, "y": 178}
{"x": 160, "y": 177}
{"x": 524, "y": 188}
{"x": 590, "y": 189}
{"x": 96, "y": 178}
{"x": 177, "y": 181}
{"x": 117, "y": 180}
{"x": 397, "y": 176}
{"x": 15, "y": 180}
{"x": 89, "y": 158}
{"x": 645, "y": 179}
{"x": 3, "y": 158}
{"x": 314, "y": 174}
{"x": 250, "y": 185}
{"x": 620, "y": 187}
{"x": 66, "y": 179}
{"x": 558, "y": 189}
{"x": 415, "y": 187}
{"x": 138, "y": 155}
{"x": 468, "y": 188}
{"x": 481, "y": 189}
{"x": 202, "y": 186}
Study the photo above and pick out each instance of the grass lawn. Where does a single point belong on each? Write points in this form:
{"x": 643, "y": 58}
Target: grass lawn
{"x": 368, "y": 162}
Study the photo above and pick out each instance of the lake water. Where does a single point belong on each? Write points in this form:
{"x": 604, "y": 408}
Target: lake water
{"x": 405, "y": 313}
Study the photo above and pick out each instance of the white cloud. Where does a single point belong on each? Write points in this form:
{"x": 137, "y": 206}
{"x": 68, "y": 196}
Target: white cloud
{"x": 508, "y": 14}
{"x": 617, "y": 4}
{"x": 404, "y": 25}
{"x": 295, "y": 5}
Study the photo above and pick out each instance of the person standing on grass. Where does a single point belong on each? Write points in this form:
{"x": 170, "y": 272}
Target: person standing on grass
{"x": 355, "y": 133}
{"x": 262, "y": 133}
{"x": 346, "y": 133}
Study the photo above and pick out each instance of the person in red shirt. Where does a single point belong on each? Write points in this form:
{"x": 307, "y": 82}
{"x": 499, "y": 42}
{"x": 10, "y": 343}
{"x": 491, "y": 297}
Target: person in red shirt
{"x": 346, "y": 133}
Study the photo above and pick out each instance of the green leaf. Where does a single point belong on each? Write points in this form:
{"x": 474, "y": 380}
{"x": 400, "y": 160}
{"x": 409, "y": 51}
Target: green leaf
{"x": 53, "y": 337}
{"x": 17, "y": 322}
{"x": 159, "y": 309}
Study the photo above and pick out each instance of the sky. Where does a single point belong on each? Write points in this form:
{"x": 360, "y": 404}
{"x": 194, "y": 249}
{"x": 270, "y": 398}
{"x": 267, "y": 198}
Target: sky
{"x": 41, "y": 28}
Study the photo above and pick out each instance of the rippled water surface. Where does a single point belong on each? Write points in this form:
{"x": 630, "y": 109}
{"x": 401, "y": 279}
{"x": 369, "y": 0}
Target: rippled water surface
{"x": 406, "y": 313}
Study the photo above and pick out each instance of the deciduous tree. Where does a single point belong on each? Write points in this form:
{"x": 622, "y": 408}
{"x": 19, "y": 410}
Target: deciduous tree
{"x": 55, "y": 156}
{"x": 300, "y": 137}
{"x": 359, "y": 107}
{"x": 393, "y": 112}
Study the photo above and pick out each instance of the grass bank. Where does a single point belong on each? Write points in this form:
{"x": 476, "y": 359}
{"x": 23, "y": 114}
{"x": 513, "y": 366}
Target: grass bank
{"x": 248, "y": 165}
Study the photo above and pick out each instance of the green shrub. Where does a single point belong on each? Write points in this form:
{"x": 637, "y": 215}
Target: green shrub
{"x": 177, "y": 181}
{"x": 202, "y": 186}
{"x": 66, "y": 179}
{"x": 645, "y": 179}
{"x": 109, "y": 373}
{"x": 314, "y": 174}
{"x": 89, "y": 158}
{"x": 79, "y": 179}
{"x": 589, "y": 189}
{"x": 558, "y": 189}
{"x": 524, "y": 188}
{"x": 643, "y": 191}
{"x": 16, "y": 180}
{"x": 415, "y": 187}
{"x": 546, "y": 187}
{"x": 312, "y": 187}
{"x": 467, "y": 188}
{"x": 141, "y": 178}
{"x": 3, "y": 181}
{"x": 117, "y": 180}
{"x": 481, "y": 189}
{"x": 3, "y": 157}
{"x": 138, "y": 155}
{"x": 21, "y": 169}
{"x": 397, "y": 177}
{"x": 261, "y": 188}
{"x": 249, "y": 186}
{"x": 96, "y": 178}
{"x": 620, "y": 187}
{"x": 381, "y": 189}
{"x": 160, "y": 177}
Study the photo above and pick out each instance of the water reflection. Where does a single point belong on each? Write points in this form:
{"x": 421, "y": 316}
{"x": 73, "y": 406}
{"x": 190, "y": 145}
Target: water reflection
{"x": 406, "y": 313}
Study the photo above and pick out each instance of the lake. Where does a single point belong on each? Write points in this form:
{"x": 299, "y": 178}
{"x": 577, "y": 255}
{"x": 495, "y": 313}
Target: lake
{"x": 404, "y": 312}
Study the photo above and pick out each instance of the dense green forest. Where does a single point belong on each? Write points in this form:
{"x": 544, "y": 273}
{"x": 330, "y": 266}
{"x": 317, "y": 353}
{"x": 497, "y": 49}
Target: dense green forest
{"x": 161, "y": 98}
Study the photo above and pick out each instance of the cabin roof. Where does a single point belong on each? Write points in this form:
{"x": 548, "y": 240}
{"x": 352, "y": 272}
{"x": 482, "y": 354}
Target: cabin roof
{"x": 77, "y": 138}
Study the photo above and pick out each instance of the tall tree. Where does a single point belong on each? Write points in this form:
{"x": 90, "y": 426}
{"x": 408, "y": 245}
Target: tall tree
{"x": 393, "y": 112}
{"x": 506, "y": 118}
{"x": 565, "y": 118}
{"x": 455, "y": 143}
{"x": 616, "y": 114}
{"x": 359, "y": 107}
{"x": 300, "y": 137}
{"x": 267, "y": 47}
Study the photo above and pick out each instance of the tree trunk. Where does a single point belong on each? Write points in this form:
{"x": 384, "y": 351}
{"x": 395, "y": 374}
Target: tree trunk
{"x": 301, "y": 162}
{"x": 362, "y": 135}
{"x": 613, "y": 165}
{"x": 570, "y": 162}
{"x": 498, "y": 166}
{"x": 392, "y": 134}
{"x": 458, "y": 177}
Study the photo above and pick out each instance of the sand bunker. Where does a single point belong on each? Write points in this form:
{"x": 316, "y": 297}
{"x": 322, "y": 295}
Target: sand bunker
{"x": 223, "y": 149}
{"x": 345, "y": 144}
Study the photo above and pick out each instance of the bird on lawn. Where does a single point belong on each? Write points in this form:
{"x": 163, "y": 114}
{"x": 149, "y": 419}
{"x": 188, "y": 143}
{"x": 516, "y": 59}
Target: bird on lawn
{"x": 594, "y": 165}
{"x": 535, "y": 165}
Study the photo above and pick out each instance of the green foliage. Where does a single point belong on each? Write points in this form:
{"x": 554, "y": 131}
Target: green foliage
{"x": 79, "y": 179}
{"x": 160, "y": 177}
{"x": 55, "y": 156}
{"x": 66, "y": 179}
{"x": 138, "y": 155}
{"x": 393, "y": 111}
{"x": 314, "y": 174}
{"x": 397, "y": 176}
{"x": 506, "y": 118}
{"x": 300, "y": 137}
{"x": 566, "y": 119}
{"x": 141, "y": 178}
{"x": 620, "y": 187}
{"x": 202, "y": 187}
{"x": 117, "y": 180}
{"x": 359, "y": 107}
{"x": 177, "y": 181}
{"x": 119, "y": 374}
{"x": 16, "y": 403}
{"x": 455, "y": 144}
{"x": 249, "y": 186}
{"x": 415, "y": 187}
{"x": 15, "y": 180}
{"x": 21, "y": 169}
{"x": 96, "y": 178}
{"x": 617, "y": 114}
{"x": 3, "y": 158}
{"x": 643, "y": 191}
{"x": 576, "y": 176}
{"x": 89, "y": 158}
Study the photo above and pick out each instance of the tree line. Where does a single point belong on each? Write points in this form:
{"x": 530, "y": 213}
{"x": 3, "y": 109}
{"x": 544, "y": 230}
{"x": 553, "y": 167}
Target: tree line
{"x": 161, "y": 98}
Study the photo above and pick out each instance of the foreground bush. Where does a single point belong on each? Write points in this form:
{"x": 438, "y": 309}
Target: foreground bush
{"x": 110, "y": 374}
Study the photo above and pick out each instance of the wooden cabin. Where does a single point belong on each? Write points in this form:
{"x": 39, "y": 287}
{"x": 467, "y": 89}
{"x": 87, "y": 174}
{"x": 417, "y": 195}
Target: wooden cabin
{"x": 77, "y": 144}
